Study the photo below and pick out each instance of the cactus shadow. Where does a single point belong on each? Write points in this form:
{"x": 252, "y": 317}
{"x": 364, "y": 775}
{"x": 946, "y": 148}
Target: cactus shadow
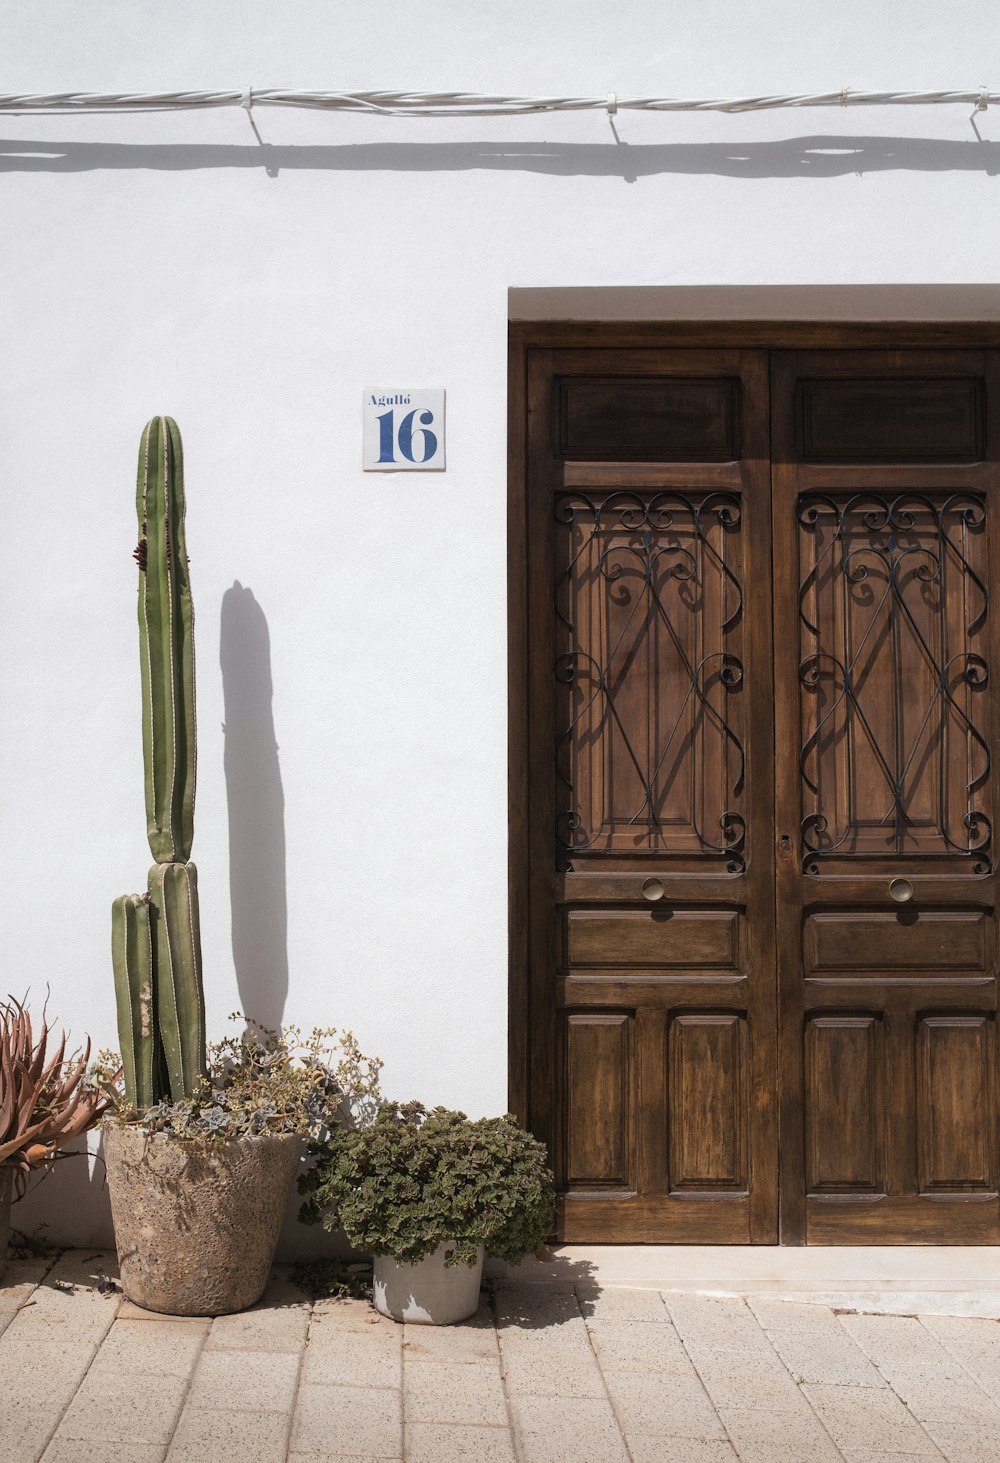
{"x": 256, "y": 804}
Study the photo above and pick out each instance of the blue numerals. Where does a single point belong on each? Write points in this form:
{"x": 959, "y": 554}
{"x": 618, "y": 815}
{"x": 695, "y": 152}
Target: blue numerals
{"x": 413, "y": 443}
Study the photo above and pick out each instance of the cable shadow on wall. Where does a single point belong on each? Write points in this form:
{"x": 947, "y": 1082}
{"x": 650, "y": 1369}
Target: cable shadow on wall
{"x": 256, "y": 803}
{"x": 813, "y": 156}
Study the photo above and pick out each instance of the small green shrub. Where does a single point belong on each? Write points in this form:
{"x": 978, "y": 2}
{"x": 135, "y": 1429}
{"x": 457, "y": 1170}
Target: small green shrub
{"x": 415, "y": 1179}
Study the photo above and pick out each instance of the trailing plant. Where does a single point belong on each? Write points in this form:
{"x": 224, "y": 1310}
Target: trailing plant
{"x": 415, "y": 1179}
{"x": 45, "y": 1098}
{"x": 263, "y": 1081}
{"x": 156, "y": 940}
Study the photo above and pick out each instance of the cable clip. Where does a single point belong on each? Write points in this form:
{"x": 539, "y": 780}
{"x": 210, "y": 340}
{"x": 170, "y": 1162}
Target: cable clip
{"x": 246, "y": 98}
{"x": 844, "y": 91}
{"x": 612, "y": 103}
{"x": 984, "y": 99}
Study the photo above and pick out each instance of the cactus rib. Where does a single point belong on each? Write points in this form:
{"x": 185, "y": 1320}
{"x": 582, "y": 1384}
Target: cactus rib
{"x": 166, "y": 634}
{"x": 138, "y": 1038}
{"x": 173, "y": 895}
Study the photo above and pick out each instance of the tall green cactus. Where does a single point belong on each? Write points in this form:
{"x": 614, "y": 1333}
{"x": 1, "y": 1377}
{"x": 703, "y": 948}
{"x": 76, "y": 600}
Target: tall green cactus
{"x": 156, "y": 940}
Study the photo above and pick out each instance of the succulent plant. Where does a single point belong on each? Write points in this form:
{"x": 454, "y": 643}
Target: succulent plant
{"x": 156, "y": 940}
{"x": 45, "y": 1100}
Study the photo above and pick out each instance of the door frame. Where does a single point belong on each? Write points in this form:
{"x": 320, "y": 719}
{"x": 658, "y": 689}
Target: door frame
{"x": 525, "y": 336}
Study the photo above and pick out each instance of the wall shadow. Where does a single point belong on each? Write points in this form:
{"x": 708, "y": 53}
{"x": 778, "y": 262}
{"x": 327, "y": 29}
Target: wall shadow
{"x": 68, "y": 1203}
{"x": 256, "y": 803}
{"x": 813, "y": 156}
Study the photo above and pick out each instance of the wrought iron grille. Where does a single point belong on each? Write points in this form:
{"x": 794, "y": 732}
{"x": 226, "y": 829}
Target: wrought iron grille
{"x": 649, "y": 621}
{"x": 893, "y": 605}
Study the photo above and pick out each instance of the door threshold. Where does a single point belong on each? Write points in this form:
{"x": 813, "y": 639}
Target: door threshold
{"x": 942, "y": 1280}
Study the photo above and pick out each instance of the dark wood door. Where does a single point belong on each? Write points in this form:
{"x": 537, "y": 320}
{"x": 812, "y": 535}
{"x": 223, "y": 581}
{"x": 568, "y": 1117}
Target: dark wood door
{"x": 651, "y": 838}
{"x": 885, "y": 477}
{"x": 757, "y": 807}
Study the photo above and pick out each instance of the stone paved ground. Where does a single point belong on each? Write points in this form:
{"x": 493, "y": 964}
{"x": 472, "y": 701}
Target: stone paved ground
{"x": 541, "y": 1375}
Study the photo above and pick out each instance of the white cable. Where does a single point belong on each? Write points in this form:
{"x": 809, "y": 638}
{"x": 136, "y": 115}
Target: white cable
{"x": 467, "y": 104}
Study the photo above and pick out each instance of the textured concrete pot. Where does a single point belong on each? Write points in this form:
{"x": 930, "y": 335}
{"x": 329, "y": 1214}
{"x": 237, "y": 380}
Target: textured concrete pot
{"x": 428, "y": 1293}
{"x": 5, "y": 1191}
{"x": 197, "y": 1221}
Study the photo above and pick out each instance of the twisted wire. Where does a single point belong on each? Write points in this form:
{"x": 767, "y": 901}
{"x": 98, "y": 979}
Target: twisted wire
{"x": 468, "y": 104}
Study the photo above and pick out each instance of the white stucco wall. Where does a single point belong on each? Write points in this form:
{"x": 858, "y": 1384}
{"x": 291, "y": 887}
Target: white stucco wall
{"x": 168, "y": 263}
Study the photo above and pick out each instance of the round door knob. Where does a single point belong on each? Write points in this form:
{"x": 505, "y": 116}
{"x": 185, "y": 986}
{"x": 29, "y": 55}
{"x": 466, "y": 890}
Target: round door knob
{"x": 652, "y": 889}
{"x": 901, "y": 890}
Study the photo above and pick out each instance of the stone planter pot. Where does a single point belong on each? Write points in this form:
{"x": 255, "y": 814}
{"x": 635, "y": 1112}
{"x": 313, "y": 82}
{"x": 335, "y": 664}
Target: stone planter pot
{"x": 5, "y": 1198}
{"x": 428, "y": 1293}
{"x": 197, "y": 1221}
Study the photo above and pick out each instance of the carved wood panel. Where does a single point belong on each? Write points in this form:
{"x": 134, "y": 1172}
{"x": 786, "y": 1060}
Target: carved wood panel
{"x": 649, "y": 668}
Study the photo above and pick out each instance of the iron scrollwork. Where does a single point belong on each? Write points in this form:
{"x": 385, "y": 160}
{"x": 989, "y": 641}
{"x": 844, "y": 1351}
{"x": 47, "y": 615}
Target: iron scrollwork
{"x": 909, "y": 556}
{"x": 633, "y": 547}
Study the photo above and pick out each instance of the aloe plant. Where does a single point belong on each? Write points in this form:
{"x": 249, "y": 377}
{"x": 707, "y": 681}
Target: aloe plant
{"x": 156, "y": 941}
{"x": 44, "y": 1099}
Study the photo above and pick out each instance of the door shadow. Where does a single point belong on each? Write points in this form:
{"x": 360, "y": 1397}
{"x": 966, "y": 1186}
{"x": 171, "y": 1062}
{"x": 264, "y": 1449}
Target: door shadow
{"x": 256, "y": 804}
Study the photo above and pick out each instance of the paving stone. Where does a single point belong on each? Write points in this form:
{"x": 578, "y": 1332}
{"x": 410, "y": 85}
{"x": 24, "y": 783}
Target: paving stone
{"x": 716, "y": 1321}
{"x": 615, "y": 1304}
{"x": 751, "y": 1379}
{"x": 72, "y": 1450}
{"x": 567, "y": 1430}
{"x": 433, "y": 1443}
{"x": 830, "y": 1356}
{"x": 675, "y": 1406}
{"x": 348, "y": 1419}
{"x": 332, "y": 1458}
{"x": 634, "y": 1346}
{"x": 368, "y": 1329}
{"x": 778, "y": 1437}
{"x": 124, "y": 1408}
{"x": 538, "y": 1375}
{"x": 347, "y": 1359}
{"x": 852, "y": 1455}
{"x": 204, "y": 1436}
{"x": 533, "y": 1307}
{"x": 24, "y": 1272}
{"x": 19, "y": 1282}
{"x": 263, "y": 1328}
{"x": 966, "y": 1442}
{"x": 867, "y": 1417}
{"x": 140, "y": 1347}
{"x": 963, "y": 1329}
{"x": 788, "y": 1315}
{"x": 650, "y": 1448}
{"x": 943, "y": 1398}
{"x": 66, "y": 1301}
{"x": 471, "y": 1395}
{"x": 129, "y": 1311}
{"x": 344, "y": 1313}
{"x": 472, "y": 1343}
{"x": 893, "y": 1340}
{"x": 567, "y": 1342}
{"x": 240, "y": 1381}
{"x": 981, "y": 1364}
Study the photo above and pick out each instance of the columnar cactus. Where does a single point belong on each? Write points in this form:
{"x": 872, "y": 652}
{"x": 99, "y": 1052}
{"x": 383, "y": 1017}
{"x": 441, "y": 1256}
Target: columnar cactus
{"x": 156, "y": 941}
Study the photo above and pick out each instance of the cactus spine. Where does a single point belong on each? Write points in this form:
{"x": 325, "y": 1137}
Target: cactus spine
{"x": 156, "y": 940}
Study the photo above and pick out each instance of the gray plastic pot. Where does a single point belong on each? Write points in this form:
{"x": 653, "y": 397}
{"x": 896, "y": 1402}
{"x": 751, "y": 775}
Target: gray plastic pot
{"x": 428, "y": 1293}
{"x": 197, "y": 1220}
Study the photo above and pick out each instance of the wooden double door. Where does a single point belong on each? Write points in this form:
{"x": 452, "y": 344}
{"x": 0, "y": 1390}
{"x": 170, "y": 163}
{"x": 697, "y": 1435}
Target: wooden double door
{"x": 754, "y": 701}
